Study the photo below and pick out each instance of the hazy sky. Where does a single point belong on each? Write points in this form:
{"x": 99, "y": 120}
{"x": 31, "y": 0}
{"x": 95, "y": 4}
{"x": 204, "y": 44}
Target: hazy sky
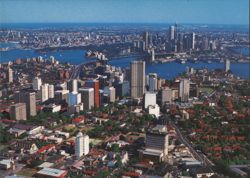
{"x": 144, "y": 11}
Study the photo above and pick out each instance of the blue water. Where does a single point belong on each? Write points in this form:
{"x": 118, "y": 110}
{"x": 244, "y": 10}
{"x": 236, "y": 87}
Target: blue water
{"x": 166, "y": 70}
{"x": 242, "y": 50}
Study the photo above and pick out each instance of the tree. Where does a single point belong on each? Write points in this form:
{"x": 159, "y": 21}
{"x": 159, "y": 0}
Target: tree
{"x": 115, "y": 148}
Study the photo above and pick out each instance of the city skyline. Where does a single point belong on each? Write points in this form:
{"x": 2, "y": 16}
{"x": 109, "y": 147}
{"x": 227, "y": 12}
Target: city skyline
{"x": 184, "y": 11}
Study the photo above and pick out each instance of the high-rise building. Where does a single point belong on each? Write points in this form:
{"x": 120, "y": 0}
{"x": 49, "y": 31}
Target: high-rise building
{"x": 156, "y": 145}
{"x": 61, "y": 95}
{"x": 227, "y": 65}
{"x": 18, "y": 111}
{"x": 81, "y": 145}
{"x": 87, "y": 95}
{"x": 36, "y": 83}
{"x": 95, "y": 84}
{"x": 122, "y": 88}
{"x": 10, "y": 75}
{"x": 192, "y": 40}
{"x": 29, "y": 98}
{"x": 137, "y": 79}
{"x": 152, "y": 55}
{"x": 44, "y": 92}
{"x": 152, "y": 82}
{"x": 73, "y": 98}
{"x": 110, "y": 93}
{"x": 157, "y": 139}
{"x": 72, "y": 85}
{"x": 145, "y": 39}
{"x": 172, "y": 33}
{"x": 184, "y": 89}
{"x": 85, "y": 144}
{"x": 166, "y": 95}
{"x": 51, "y": 92}
{"x": 149, "y": 99}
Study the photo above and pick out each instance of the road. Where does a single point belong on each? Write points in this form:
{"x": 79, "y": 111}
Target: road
{"x": 199, "y": 156}
{"x": 75, "y": 72}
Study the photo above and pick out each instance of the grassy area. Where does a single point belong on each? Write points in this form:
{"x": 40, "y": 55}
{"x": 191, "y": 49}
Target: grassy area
{"x": 96, "y": 141}
{"x": 206, "y": 90}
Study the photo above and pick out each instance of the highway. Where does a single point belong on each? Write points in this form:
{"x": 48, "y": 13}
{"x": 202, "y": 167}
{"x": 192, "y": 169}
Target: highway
{"x": 75, "y": 72}
{"x": 199, "y": 156}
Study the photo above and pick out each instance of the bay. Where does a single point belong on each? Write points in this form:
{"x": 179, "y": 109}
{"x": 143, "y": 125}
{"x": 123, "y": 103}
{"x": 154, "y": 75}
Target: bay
{"x": 166, "y": 70}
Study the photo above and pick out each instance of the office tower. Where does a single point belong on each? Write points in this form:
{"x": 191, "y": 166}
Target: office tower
{"x": 149, "y": 99}
{"x": 227, "y": 65}
{"x": 95, "y": 84}
{"x": 44, "y": 92}
{"x": 157, "y": 139}
{"x": 10, "y": 75}
{"x": 152, "y": 55}
{"x": 122, "y": 88}
{"x": 61, "y": 95}
{"x": 137, "y": 79}
{"x": 180, "y": 46}
{"x": 110, "y": 93}
{"x": 145, "y": 39}
{"x": 152, "y": 82}
{"x": 166, "y": 95}
{"x": 205, "y": 43}
{"x": 172, "y": 33}
{"x": 29, "y": 98}
{"x": 72, "y": 85}
{"x": 192, "y": 41}
{"x": 85, "y": 144}
{"x": 79, "y": 145}
{"x": 87, "y": 95}
{"x": 36, "y": 83}
{"x": 51, "y": 92}
{"x": 184, "y": 90}
{"x": 73, "y": 98}
{"x": 18, "y": 111}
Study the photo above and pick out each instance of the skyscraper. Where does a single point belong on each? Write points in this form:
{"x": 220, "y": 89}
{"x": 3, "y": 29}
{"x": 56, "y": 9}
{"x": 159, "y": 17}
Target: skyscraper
{"x": 18, "y": 111}
{"x": 29, "y": 98}
{"x": 79, "y": 145}
{"x": 152, "y": 55}
{"x": 145, "y": 39}
{"x": 44, "y": 92}
{"x": 51, "y": 92}
{"x": 87, "y": 95}
{"x": 36, "y": 83}
{"x": 192, "y": 40}
{"x": 172, "y": 33}
{"x": 72, "y": 85}
{"x": 184, "y": 90}
{"x": 73, "y": 98}
{"x": 152, "y": 82}
{"x": 166, "y": 95}
{"x": 157, "y": 139}
{"x": 95, "y": 84}
{"x": 9, "y": 75}
{"x": 85, "y": 144}
{"x": 149, "y": 99}
{"x": 227, "y": 65}
{"x": 137, "y": 79}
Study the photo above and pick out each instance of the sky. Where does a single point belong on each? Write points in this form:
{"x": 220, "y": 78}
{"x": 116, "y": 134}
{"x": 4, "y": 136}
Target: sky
{"x": 125, "y": 11}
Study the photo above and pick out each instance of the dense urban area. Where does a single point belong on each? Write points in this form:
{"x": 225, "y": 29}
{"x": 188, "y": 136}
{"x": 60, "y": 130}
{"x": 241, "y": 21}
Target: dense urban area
{"x": 97, "y": 120}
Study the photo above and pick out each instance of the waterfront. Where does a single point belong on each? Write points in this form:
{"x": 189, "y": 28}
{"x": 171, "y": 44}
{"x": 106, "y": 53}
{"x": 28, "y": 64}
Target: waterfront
{"x": 166, "y": 70}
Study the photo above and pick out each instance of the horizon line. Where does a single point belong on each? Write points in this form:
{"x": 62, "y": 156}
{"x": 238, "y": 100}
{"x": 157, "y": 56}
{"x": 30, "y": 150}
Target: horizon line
{"x": 186, "y": 23}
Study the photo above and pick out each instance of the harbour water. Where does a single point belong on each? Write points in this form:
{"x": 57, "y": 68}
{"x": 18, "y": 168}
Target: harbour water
{"x": 166, "y": 70}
